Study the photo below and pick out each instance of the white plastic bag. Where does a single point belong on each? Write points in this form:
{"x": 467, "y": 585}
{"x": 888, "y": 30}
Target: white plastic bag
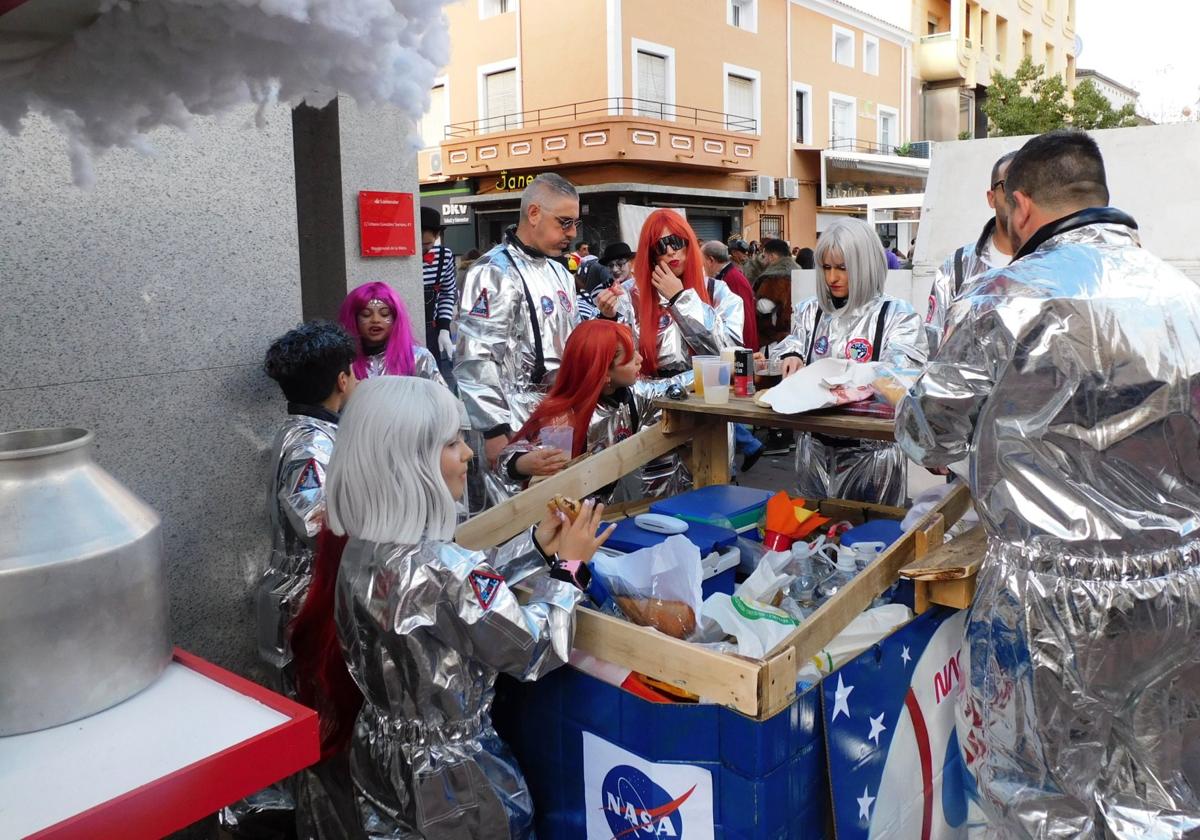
{"x": 758, "y": 627}
{"x": 658, "y": 586}
{"x": 824, "y": 383}
{"x": 864, "y": 631}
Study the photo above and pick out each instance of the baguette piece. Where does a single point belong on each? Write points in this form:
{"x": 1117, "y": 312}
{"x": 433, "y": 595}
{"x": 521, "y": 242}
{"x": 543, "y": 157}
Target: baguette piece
{"x": 570, "y": 507}
{"x": 674, "y": 618}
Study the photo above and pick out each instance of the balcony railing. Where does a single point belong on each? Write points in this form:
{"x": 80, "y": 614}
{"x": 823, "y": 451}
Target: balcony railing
{"x": 596, "y": 108}
{"x": 846, "y": 144}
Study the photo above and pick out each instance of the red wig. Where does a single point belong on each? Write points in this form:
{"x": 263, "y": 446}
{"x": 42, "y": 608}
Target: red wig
{"x": 590, "y": 353}
{"x": 660, "y": 223}
{"x": 322, "y": 680}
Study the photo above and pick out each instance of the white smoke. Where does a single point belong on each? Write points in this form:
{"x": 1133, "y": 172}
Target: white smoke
{"x": 143, "y": 64}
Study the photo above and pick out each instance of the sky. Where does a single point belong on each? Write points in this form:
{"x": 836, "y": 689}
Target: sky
{"x": 1152, "y": 46}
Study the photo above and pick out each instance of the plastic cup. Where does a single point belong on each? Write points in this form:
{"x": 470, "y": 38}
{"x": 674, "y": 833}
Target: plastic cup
{"x": 716, "y": 376}
{"x": 698, "y": 377}
{"x": 557, "y": 437}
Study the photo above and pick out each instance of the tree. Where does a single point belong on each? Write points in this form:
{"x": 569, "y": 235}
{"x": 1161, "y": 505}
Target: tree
{"x": 1030, "y": 102}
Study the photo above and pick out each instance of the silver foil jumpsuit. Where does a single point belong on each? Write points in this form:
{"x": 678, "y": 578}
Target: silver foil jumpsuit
{"x": 1071, "y": 381}
{"x": 426, "y": 629}
{"x": 424, "y": 365}
{"x": 973, "y": 259}
{"x": 844, "y": 468}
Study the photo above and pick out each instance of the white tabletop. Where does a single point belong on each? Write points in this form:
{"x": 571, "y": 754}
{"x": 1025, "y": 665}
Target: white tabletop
{"x": 183, "y": 717}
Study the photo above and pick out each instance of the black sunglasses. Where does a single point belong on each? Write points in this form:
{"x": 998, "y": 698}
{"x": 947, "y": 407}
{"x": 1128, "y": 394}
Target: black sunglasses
{"x": 670, "y": 242}
{"x": 999, "y": 184}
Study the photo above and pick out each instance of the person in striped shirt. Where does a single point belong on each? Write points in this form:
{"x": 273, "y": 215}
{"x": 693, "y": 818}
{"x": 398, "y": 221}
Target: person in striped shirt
{"x": 440, "y": 276}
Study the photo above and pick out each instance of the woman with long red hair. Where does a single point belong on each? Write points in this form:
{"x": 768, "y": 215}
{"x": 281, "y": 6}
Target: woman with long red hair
{"x": 597, "y": 393}
{"x": 675, "y": 313}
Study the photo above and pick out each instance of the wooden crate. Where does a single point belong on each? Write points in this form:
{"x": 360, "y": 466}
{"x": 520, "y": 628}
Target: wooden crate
{"x": 756, "y": 687}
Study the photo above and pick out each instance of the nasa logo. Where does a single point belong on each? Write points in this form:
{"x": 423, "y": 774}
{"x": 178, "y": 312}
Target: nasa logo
{"x": 858, "y": 350}
{"x": 664, "y": 321}
{"x": 822, "y": 346}
{"x": 547, "y": 305}
{"x": 564, "y": 301}
{"x": 482, "y": 309}
{"x": 637, "y": 807}
{"x": 932, "y": 309}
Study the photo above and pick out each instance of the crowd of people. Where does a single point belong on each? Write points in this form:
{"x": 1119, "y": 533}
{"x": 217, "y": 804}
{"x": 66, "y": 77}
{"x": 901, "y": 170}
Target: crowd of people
{"x": 1056, "y": 370}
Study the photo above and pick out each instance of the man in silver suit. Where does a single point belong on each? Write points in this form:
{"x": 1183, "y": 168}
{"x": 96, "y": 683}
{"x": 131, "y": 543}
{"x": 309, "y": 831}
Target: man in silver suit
{"x": 1070, "y": 380}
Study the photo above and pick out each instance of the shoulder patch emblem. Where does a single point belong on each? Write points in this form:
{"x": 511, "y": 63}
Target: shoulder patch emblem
{"x": 482, "y": 308}
{"x": 822, "y": 346}
{"x": 564, "y": 300}
{"x": 547, "y": 305}
{"x": 858, "y": 350}
{"x": 310, "y": 477}
{"x": 932, "y": 309}
{"x": 486, "y": 585}
{"x": 664, "y": 321}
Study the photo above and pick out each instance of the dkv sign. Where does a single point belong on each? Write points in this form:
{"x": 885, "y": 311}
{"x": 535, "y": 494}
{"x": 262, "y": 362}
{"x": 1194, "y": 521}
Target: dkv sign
{"x": 629, "y": 798}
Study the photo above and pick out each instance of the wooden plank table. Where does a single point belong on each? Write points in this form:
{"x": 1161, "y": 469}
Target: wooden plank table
{"x": 744, "y": 410}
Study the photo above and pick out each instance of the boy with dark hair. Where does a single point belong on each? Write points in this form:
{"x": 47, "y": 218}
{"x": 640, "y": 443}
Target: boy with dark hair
{"x": 312, "y": 366}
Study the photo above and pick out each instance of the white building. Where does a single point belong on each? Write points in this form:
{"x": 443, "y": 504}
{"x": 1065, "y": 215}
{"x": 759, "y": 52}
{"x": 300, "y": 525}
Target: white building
{"x": 1117, "y": 94}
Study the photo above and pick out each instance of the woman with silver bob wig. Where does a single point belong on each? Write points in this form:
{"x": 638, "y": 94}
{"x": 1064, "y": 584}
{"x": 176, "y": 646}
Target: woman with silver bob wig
{"x": 851, "y": 318}
{"x": 426, "y": 625}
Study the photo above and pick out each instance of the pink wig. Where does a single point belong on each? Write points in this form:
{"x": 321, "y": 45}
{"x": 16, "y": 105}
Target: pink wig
{"x": 398, "y": 355}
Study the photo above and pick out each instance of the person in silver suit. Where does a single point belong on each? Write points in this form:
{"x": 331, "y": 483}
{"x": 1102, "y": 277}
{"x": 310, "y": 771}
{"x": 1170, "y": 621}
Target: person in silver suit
{"x": 675, "y": 313}
{"x": 1070, "y": 381}
{"x": 992, "y": 249}
{"x": 426, "y": 625}
{"x": 517, "y": 311}
{"x": 851, "y": 318}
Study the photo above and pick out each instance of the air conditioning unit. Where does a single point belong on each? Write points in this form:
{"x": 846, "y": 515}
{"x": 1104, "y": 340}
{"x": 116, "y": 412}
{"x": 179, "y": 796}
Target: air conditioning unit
{"x": 788, "y": 188}
{"x": 763, "y": 187}
{"x": 435, "y": 163}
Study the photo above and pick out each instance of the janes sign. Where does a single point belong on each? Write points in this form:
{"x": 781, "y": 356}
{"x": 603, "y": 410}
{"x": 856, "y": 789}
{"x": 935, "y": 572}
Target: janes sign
{"x": 629, "y": 798}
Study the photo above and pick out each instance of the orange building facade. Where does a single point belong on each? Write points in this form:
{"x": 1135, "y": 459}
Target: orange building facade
{"x": 759, "y": 117}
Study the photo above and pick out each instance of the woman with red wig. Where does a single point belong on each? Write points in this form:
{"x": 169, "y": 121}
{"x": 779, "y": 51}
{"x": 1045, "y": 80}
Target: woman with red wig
{"x": 675, "y": 314}
{"x": 376, "y": 319}
{"x": 597, "y": 393}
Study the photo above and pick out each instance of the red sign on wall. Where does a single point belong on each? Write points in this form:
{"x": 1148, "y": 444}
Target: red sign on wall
{"x": 385, "y": 224}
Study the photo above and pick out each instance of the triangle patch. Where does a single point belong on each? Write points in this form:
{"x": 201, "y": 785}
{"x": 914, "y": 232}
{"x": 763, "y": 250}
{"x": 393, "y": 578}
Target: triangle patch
{"x": 310, "y": 478}
{"x": 482, "y": 308}
{"x": 486, "y": 585}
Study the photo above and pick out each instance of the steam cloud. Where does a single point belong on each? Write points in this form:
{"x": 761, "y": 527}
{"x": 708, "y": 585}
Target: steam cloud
{"x": 143, "y": 64}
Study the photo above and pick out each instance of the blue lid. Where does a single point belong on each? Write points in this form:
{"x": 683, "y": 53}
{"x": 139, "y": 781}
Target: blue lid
{"x": 628, "y": 537}
{"x": 717, "y": 501}
{"x": 877, "y": 530}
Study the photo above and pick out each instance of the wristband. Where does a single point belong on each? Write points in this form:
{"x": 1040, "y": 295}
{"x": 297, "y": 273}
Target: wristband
{"x": 571, "y": 571}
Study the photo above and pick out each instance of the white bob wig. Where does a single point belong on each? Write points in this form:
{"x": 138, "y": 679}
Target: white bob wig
{"x": 862, "y": 253}
{"x": 384, "y": 482}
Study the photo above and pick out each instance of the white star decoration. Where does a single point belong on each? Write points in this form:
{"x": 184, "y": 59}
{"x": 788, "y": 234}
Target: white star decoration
{"x": 905, "y": 655}
{"x": 864, "y": 806}
{"x": 840, "y": 705}
{"x": 876, "y": 727}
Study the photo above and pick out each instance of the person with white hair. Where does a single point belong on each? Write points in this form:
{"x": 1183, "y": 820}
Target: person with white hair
{"x": 851, "y": 318}
{"x": 426, "y": 625}
{"x": 518, "y": 310}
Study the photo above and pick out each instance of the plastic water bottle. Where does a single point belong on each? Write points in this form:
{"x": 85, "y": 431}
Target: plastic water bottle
{"x": 844, "y": 572}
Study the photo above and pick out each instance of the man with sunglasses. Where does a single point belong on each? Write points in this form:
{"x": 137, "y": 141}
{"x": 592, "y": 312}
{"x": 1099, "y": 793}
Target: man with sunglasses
{"x": 517, "y": 310}
{"x": 993, "y": 249}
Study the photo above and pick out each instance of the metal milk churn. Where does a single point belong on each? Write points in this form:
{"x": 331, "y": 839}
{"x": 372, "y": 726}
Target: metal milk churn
{"x": 83, "y": 600}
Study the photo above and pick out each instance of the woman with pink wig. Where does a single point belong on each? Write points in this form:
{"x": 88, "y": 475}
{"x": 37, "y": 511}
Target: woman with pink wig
{"x": 375, "y": 317}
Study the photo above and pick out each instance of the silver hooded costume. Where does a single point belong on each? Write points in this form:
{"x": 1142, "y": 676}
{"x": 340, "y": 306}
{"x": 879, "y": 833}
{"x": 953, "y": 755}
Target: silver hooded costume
{"x": 1071, "y": 381}
{"x": 426, "y": 629}
{"x": 955, "y": 275}
{"x": 686, "y": 327}
{"x": 843, "y": 468}
{"x": 424, "y": 365}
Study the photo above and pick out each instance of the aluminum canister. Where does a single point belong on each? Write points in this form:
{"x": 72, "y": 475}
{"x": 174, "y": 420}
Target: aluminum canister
{"x": 743, "y": 373}
{"x": 83, "y": 600}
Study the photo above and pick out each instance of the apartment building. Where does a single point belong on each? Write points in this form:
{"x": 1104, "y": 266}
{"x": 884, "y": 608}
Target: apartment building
{"x": 960, "y": 43}
{"x": 759, "y": 117}
{"x": 1117, "y": 94}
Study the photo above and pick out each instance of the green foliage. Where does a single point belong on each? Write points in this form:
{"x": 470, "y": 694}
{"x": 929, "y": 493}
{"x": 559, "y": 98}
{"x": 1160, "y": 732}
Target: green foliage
{"x": 1030, "y": 102}
{"x": 965, "y": 135}
{"x": 903, "y": 150}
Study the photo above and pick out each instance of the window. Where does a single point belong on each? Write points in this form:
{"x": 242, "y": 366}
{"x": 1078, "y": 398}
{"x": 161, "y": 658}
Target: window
{"x": 1027, "y": 44}
{"x": 741, "y": 99}
{"x": 433, "y": 124}
{"x": 802, "y": 102}
{"x": 654, "y": 80}
{"x": 743, "y": 14}
{"x": 889, "y": 130}
{"x": 842, "y": 121}
{"x": 770, "y": 227}
{"x": 934, "y": 24}
{"x": 843, "y": 46}
{"x": 491, "y": 8}
{"x": 871, "y": 55}
{"x": 500, "y": 101}
{"x": 1001, "y": 40}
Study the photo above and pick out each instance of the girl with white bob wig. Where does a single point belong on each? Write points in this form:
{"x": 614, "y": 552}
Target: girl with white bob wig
{"x": 426, "y": 625}
{"x": 851, "y": 318}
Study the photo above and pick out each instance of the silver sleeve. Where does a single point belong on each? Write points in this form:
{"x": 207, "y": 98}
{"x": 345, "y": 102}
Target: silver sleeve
{"x": 798, "y": 339}
{"x": 486, "y": 319}
{"x": 940, "y": 297}
{"x": 425, "y": 366}
{"x": 304, "y": 506}
{"x": 704, "y": 328}
{"x": 904, "y": 342}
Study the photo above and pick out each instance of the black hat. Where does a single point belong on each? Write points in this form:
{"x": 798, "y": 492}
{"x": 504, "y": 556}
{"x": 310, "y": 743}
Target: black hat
{"x": 431, "y": 219}
{"x": 615, "y": 251}
{"x": 739, "y": 245}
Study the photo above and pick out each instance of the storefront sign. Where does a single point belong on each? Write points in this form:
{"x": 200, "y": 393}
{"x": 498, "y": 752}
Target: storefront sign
{"x": 455, "y": 214}
{"x": 385, "y": 224}
{"x": 634, "y": 799}
{"x": 512, "y": 182}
